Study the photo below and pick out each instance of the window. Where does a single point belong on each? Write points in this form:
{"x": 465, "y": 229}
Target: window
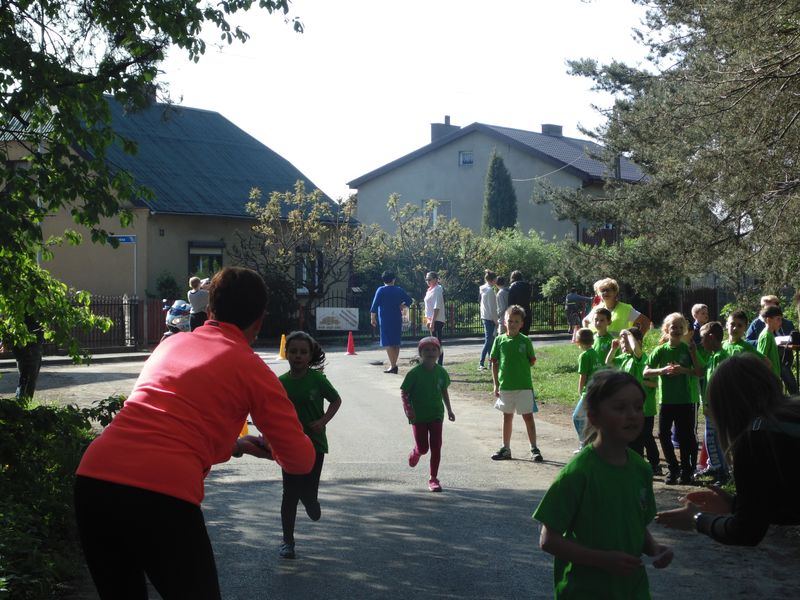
{"x": 442, "y": 209}
{"x": 308, "y": 271}
{"x": 205, "y": 258}
{"x": 465, "y": 158}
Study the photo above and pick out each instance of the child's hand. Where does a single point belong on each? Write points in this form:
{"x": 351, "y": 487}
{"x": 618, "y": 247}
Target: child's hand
{"x": 409, "y": 410}
{"x": 451, "y": 415}
{"x": 317, "y": 426}
{"x": 620, "y": 563}
{"x": 496, "y": 392}
{"x": 663, "y": 557}
{"x": 615, "y": 343}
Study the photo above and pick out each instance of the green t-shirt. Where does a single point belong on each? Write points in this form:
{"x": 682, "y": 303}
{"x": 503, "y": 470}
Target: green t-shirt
{"x": 767, "y": 346}
{"x": 513, "y": 355}
{"x": 603, "y": 507}
{"x": 674, "y": 389}
{"x": 635, "y": 366}
{"x": 425, "y": 387}
{"x": 588, "y": 362}
{"x": 307, "y": 394}
{"x": 602, "y": 344}
{"x": 740, "y": 346}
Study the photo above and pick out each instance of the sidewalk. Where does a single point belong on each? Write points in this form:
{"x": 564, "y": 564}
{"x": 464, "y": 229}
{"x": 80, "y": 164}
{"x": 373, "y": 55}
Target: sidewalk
{"x": 7, "y": 361}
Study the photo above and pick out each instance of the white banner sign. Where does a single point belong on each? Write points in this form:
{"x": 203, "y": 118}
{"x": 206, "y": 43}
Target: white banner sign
{"x": 340, "y": 319}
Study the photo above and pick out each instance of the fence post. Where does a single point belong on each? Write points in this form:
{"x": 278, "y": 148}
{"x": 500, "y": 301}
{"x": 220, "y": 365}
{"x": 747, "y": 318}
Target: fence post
{"x": 126, "y": 315}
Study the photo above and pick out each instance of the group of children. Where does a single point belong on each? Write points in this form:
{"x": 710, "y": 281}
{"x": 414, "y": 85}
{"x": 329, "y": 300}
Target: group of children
{"x": 595, "y": 514}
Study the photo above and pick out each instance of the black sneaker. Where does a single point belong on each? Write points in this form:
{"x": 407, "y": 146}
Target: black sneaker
{"x": 672, "y": 479}
{"x": 658, "y": 471}
{"x": 536, "y": 454}
{"x": 286, "y": 551}
{"x": 313, "y": 510}
{"x": 687, "y": 479}
{"x": 502, "y": 454}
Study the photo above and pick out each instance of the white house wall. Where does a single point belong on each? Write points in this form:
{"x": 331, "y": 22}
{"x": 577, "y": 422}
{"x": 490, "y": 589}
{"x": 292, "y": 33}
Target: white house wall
{"x": 438, "y": 175}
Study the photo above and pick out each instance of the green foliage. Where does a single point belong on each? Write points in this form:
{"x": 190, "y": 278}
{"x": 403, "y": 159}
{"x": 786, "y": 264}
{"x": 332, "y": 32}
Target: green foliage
{"x": 510, "y": 249}
{"x": 556, "y": 288}
{"x": 300, "y": 240}
{"x": 59, "y": 59}
{"x": 418, "y": 246}
{"x": 712, "y": 118}
{"x": 166, "y": 286}
{"x": 499, "y": 199}
{"x": 40, "y": 448}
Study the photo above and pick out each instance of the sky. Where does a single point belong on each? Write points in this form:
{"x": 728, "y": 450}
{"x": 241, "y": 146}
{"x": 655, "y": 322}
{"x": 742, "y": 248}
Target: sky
{"x": 362, "y": 85}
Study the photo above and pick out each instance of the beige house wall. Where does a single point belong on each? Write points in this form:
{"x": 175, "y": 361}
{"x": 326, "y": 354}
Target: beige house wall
{"x": 438, "y": 175}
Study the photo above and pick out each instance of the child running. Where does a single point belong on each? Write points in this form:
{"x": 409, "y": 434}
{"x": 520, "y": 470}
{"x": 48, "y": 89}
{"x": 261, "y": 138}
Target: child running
{"x": 673, "y": 362}
{"x": 306, "y": 387}
{"x": 512, "y": 358}
{"x": 594, "y": 516}
{"x": 424, "y": 390}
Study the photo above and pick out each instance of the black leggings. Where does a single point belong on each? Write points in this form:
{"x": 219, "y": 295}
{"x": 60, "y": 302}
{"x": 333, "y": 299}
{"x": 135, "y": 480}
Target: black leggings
{"x": 683, "y": 416}
{"x": 645, "y": 441}
{"x": 127, "y": 532}
{"x": 299, "y": 488}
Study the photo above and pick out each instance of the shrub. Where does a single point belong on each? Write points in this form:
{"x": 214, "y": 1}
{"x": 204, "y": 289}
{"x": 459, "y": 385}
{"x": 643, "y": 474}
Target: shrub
{"x": 40, "y": 448}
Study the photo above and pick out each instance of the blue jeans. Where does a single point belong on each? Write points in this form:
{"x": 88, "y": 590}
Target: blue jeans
{"x": 488, "y": 340}
{"x": 579, "y": 419}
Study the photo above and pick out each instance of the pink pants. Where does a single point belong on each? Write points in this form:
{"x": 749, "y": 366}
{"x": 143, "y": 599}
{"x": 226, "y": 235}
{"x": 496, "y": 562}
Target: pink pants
{"x": 429, "y": 435}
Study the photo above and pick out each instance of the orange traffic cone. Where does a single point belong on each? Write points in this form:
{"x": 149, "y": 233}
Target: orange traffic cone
{"x": 244, "y": 430}
{"x": 282, "y": 351}
{"x": 351, "y": 347}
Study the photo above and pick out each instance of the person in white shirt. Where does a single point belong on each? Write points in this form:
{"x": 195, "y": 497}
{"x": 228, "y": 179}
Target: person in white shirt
{"x": 488, "y": 314}
{"x": 434, "y": 308}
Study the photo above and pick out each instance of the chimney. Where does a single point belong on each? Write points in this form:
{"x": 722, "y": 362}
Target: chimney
{"x": 439, "y": 130}
{"x": 552, "y": 130}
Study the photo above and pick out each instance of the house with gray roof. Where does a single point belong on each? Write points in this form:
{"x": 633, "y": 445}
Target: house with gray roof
{"x": 200, "y": 168}
{"x": 451, "y": 169}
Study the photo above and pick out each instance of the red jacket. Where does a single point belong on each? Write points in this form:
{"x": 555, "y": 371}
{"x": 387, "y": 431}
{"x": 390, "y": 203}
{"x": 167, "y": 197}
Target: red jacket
{"x": 187, "y": 409}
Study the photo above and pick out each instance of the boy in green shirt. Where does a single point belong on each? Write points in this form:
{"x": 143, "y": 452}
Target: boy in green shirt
{"x": 512, "y": 357}
{"x": 602, "y": 339}
{"x": 588, "y": 362}
{"x": 773, "y": 317}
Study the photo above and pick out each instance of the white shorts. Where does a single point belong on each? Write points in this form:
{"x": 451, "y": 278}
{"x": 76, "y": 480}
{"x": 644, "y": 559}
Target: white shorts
{"x": 522, "y": 402}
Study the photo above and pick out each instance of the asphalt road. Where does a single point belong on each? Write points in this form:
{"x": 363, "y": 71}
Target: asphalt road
{"x": 384, "y": 535}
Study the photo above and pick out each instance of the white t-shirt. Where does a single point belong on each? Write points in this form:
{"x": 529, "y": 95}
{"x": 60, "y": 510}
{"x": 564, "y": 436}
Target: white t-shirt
{"x": 198, "y": 299}
{"x": 434, "y": 298}
{"x": 488, "y": 303}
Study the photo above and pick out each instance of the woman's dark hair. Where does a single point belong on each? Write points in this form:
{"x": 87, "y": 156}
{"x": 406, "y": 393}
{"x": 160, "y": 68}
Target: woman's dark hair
{"x": 604, "y": 384}
{"x": 516, "y": 276}
{"x": 741, "y": 389}
{"x": 237, "y": 296}
{"x": 388, "y": 276}
{"x": 317, "y": 353}
{"x": 489, "y": 275}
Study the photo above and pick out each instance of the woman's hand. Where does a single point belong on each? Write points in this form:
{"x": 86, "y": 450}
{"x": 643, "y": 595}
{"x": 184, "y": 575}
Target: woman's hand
{"x": 256, "y": 446}
{"x": 712, "y": 499}
{"x": 678, "y": 518}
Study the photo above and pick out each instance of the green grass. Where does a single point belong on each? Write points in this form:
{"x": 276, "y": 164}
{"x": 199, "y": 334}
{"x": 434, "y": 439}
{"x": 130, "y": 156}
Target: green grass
{"x": 555, "y": 375}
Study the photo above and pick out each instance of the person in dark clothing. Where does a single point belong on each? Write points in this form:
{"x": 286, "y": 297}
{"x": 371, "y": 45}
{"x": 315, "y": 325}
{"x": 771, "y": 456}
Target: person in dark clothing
{"x": 29, "y": 359}
{"x": 519, "y": 293}
{"x": 759, "y": 429}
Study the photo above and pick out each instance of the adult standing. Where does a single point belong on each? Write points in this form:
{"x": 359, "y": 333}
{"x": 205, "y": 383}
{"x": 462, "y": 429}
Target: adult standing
{"x": 387, "y": 311}
{"x": 29, "y": 359}
{"x": 519, "y": 293}
{"x": 623, "y": 315}
{"x": 502, "y": 303}
{"x": 198, "y": 299}
{"x": 787, "y": 358}
{"x": 759, "y": 429}
{"x": 488, "y": 303}
{"x": 140, "y": 483}
{"x": 434, "y": 308}
{"x": 575, "y": 306}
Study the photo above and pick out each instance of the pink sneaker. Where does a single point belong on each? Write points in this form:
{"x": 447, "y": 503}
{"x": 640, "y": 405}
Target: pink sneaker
{"x": 413, "y": 458}
{"x": 434, "y": 485}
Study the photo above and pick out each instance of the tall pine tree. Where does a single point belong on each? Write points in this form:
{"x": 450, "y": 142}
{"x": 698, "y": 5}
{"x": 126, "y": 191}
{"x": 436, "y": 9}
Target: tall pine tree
{"x": 499, "y": 199}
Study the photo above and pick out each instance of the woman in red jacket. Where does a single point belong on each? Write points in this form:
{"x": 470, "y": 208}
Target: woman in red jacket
{"x": 140, "y": 483}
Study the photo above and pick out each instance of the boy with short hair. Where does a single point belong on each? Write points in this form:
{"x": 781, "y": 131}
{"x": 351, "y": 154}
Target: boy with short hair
{"x": 588, "y": 362}
{"x": 736, "y": 326}
{"x": 512, "y": 357}
{"x": 602, "y": 339}
{"x": 713, "y": 354}
{"x": 700, "y": 316}
{"x": 773, "y": 317}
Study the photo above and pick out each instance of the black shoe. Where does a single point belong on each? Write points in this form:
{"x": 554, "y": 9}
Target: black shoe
{"x": 657, "y": 470}
{"x": 286, "y": 551}
{"x": 391, "y": 370}
{"x": 313, "y": 510}
{"x": 672, "y": 479}
{"x": 687, "y": 479}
